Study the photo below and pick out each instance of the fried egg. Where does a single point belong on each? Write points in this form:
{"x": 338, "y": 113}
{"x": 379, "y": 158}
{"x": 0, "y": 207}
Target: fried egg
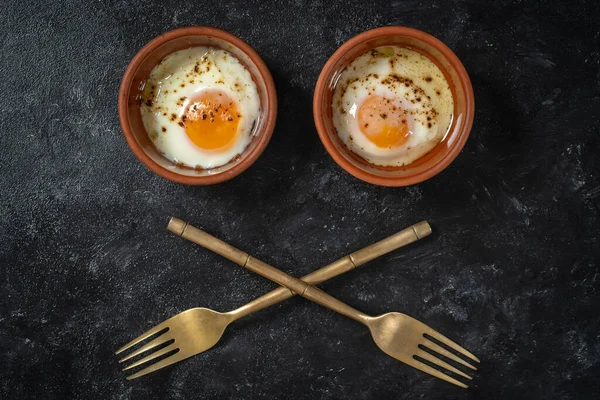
{"x": 391, "y": 106}
{"x": 199, "y": 107}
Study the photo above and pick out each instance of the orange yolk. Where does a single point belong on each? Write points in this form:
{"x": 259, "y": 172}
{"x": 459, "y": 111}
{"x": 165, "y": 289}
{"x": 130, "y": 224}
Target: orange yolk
{"x": 382, "y": 122}
{"x": 211, "y": 120}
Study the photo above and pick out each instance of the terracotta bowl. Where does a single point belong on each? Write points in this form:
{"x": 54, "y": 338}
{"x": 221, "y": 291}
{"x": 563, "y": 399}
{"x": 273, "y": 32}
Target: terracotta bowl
{"x": 139, "y": 69}
{"x": 434, "y": 161}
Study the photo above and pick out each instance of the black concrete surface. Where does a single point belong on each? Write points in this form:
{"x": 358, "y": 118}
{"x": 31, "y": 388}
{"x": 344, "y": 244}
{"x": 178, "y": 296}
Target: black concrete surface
{"x": 511, "y": 271}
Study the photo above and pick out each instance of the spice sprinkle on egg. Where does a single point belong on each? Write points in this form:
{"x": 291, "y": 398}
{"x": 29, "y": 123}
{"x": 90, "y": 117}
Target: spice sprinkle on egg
{"x": 200, "y": 106}
{"x": 391, "y": 106}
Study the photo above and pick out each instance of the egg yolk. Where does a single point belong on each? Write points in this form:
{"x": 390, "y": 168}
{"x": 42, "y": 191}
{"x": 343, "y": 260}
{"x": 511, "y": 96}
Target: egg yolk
{"x": 383, "y": 122}
{"x": 211, "y": 120}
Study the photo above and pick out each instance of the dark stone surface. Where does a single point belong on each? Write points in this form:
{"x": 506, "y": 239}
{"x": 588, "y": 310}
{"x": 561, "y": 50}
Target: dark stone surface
{"x": 511, "y": 271}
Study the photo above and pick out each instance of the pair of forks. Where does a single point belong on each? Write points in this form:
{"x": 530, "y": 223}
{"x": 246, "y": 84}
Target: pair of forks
{"x": 398, "y": 335}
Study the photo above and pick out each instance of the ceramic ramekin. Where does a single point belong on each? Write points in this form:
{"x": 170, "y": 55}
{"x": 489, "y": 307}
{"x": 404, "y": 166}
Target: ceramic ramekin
{"x": 434, "y": 161}
{"x": 139, "y": 69}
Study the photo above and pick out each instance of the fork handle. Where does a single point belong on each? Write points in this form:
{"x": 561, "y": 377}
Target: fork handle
{"x": 268, "y": 271}
{"x": 305, "y": 290}
{"x": 345, "y": 264}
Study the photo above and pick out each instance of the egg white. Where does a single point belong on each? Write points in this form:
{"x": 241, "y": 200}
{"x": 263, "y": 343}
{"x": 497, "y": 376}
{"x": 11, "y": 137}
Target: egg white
{"x": 384, "y": 73}
{"x": 197, "y": 69}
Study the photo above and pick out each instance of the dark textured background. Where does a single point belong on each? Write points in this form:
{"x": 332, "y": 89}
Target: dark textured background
{"x": 511, "y": 271}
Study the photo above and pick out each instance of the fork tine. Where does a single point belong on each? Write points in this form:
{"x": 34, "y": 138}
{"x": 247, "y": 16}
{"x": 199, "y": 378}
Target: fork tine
{"x": 439, "y": 349}
{"x": 440, "y": 363}
{"x": 432, "y": 371}
{"x": 438, "y": 336}
{"x": 152, "y": 356}
{"x": 162, "y": 339}
{"x": 143, "y": 336}
{"x": 161, "y": 364}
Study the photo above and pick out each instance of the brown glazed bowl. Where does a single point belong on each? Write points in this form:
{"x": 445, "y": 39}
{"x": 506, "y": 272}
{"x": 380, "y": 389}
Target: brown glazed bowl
{"x": 139, "y": 69}
{"x": 434, "y": 161}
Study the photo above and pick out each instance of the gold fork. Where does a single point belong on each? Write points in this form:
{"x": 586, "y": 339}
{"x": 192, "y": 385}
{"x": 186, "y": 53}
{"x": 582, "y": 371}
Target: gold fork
{"x": 198, "y": 329}
{"x": 398, "y": 335}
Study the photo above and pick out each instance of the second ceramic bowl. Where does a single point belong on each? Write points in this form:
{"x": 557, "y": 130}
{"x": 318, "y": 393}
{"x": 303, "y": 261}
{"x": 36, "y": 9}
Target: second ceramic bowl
{"x": 438, "y": 158}
{"x": 139, "y": 69}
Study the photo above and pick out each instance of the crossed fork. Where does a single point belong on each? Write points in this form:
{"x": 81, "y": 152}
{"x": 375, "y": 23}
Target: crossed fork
{"x": 398, "y": 335}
